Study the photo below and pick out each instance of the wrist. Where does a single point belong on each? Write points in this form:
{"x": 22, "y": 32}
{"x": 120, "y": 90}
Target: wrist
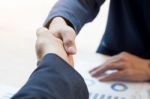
{"x": 57, "y": 21}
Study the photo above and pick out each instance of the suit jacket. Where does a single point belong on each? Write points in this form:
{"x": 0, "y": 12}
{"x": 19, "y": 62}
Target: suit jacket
{"x": 53, "y": 79}
{"x": 128, "y": 25}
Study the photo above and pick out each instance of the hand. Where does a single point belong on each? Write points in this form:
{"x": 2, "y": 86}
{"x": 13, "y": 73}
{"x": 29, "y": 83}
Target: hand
{"x": 62, "y": 31}
{"x": 128, "y": 67}
{"x": 48, "y": 43}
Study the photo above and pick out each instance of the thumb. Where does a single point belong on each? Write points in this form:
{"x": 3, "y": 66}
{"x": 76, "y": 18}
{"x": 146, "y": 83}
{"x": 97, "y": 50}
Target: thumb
{"x": 68, "y": 38}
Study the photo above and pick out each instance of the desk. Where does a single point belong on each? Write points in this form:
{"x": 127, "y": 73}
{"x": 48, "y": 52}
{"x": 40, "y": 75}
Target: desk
{"x": 108, "y": 90}
{"x": 98, "y": 90}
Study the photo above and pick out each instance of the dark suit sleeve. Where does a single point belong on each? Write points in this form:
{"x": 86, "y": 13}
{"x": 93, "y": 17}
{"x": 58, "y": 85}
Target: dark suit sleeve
{"x": 53, "y": 79}
{"x": 77, "y": 12}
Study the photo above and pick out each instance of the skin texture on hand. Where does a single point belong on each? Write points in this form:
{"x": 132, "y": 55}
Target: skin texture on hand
{"x": 48, "y": 43}
{"x": 128, "y": 68}
{"x": 62, "y": 31}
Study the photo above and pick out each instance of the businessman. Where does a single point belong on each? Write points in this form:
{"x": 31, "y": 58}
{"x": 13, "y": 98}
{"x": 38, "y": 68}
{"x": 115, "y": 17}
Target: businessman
{"x": 54, "y": 77}
{"x": 126, "y": 39}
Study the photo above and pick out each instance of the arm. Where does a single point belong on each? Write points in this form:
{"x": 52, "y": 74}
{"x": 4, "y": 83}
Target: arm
{"x": 55, "y": 77}
{"x": 77, "y": 12}
{"x": 67, "y": 18}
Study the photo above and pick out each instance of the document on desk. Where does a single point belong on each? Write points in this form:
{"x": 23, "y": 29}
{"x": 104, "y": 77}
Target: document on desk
{"x": 99, "y": 90}
{"x": 112, "y": 90}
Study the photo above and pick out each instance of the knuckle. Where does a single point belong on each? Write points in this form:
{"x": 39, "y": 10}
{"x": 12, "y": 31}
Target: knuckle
{"x": 123, "y": 53}
{"x": 41, "y": 30}
{"x": 123, "y": 56}
{"x": 68, "y": 42}
{"x": 128, "y": 73}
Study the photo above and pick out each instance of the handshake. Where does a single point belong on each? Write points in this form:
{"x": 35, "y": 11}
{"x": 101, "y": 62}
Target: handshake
{"x": 47, "y": 43}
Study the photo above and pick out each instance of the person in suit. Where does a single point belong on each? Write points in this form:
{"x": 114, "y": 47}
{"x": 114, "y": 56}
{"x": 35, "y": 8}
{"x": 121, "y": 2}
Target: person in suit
{"x": 55, "y": 77}
{"x": 126, "y": 39}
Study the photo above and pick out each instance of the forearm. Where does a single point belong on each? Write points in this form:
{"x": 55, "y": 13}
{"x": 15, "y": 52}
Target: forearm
{"x": 77, "y": 12}
{"x": 54, "y": 79}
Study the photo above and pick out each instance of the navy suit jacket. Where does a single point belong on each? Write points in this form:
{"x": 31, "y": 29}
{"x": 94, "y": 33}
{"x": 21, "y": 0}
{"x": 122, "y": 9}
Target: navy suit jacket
{"x": 53, "y": 79}
{"x": 128, "y": 25}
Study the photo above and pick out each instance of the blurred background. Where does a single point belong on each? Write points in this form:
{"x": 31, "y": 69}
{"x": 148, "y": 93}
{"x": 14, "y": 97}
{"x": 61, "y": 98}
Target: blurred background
{"x": 19, "y": 20}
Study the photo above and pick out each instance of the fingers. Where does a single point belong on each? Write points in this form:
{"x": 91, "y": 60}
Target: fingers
{"x": 93, "y": 69}
{"x": 49, "y": 43}
{"x": 113, "y": 60}
{"x": 114, "y": 76}
{"x": 39, "y": 43}
{"x": 118, "y": 62}
{"x": 68, "y": 37}
{"x": 110, "y": 66}
{"x": 44, "y": 42}
{"x": 128, "y": 66}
